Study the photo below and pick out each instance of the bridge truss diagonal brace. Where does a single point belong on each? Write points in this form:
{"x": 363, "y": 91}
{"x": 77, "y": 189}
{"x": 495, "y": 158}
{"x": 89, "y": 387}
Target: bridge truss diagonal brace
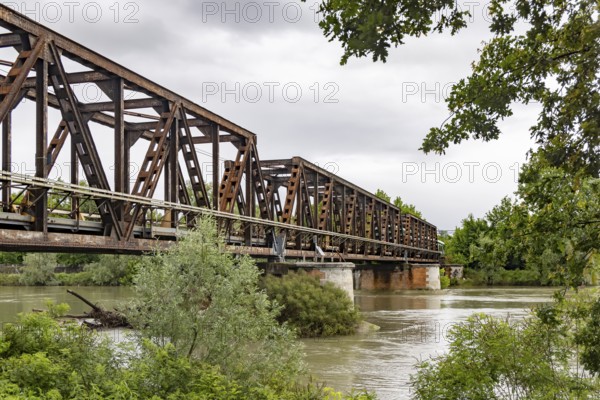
{"x": 153, "y": 164}
{"x": 12, "y": 86}
{"x": 192, "y": 163}
{"x": 230, "y": 188}
{"x": 82, "y": 139}
{"x": 261, "y": 188}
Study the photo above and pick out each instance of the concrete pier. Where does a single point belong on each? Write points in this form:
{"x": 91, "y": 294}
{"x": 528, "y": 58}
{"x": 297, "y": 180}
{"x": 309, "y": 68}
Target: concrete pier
{"x": 350, "y": 277}
{"x": 397, "y": 277}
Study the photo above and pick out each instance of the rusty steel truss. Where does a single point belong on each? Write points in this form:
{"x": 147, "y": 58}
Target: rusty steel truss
{"x": 285, "y": 208}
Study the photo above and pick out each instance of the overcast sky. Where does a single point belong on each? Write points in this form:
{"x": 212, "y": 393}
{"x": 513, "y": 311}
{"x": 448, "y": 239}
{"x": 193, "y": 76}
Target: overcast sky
{"x": 266, "y": 66}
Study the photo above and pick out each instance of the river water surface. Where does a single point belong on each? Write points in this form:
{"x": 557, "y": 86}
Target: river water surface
{"x": 414, "y": 326}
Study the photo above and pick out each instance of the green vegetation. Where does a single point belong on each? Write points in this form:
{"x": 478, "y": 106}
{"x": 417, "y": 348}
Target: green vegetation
{"x": 207, "y": 305}
{"x": 541, "y": 357}
{"x": 38, "y": 270}
{"x": 542, "y": 52}
{"x": 8, "y": 258}
{"x": 444, "y": 280}
{"x": 112, "y": 270}
{"x": 310, "y": 308}
{"x": 406, "y": 208}
{"x": 41, "y": 358}
{"x": 549, "y": 234}
{"x": 203, "y": 330}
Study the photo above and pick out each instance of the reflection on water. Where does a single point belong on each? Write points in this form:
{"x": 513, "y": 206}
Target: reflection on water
{"x": 414, "y": 326}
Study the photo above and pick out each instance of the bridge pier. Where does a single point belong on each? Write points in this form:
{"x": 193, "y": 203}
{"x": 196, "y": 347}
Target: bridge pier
{"x": 397, "y": 277}
{"x": 338, "y": 273}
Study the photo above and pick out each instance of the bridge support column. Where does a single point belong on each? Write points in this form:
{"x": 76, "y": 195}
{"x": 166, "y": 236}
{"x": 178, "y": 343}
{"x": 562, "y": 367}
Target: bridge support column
{"x": 397, "y": 277}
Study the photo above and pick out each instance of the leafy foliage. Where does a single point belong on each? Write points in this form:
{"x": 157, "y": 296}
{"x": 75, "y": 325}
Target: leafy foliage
{"x": 311, "y": 308}
{"x": 492, "y": 358}
{"x": 76, "y": 259}
{"x": 542, "y": 51}
{"x": 372, "y": 27}
{"x": 198, "y": 299}
{"x": 444, "y": 280}
{"x": 112, "y": 270}
{"x": 589, "y": 339}
{"x": 39, "y": 269}
{"x": 41, "y": 358}
{"x": 552, "y": 229}
{"x": 11, "y": 258}
{"x": 405, "y": 208}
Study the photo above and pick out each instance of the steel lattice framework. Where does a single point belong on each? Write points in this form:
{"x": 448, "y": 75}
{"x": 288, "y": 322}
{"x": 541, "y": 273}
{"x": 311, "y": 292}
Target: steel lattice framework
{"x": 320, "y": 214}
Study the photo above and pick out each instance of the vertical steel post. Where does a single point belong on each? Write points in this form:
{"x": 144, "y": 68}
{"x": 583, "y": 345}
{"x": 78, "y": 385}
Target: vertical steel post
{"x": 214, "y": 132}
{"x": 41, "y": 159}
{"x": 118, "y": 90}
{"x": 6, "y": 158}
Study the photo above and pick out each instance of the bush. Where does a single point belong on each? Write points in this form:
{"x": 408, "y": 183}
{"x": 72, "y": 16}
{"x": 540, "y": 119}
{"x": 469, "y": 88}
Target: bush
{"x": 532, "y": 358}
{"x": 39, "y": 269}
{"x": 10, "y": 280}
{"x": 74, "y": 279}
{"x": 199, "y": 299}
{"x": 444, "y": 279}
{"x": 42, "y": 359}
{"x": 111, "y": 270}
{"x": 45, "y": 359}
{"x": 311, "y": 308}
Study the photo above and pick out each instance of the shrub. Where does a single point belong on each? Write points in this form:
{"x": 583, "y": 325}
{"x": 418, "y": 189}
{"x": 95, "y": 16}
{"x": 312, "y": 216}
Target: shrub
{"x": 533, "y": 358}
{"x": 38, "y": 270}
{"x": 311, "y": 308}
{"x": 199, "y": 299}
{"x": 74, "y": 279}
{"x": 10, "y": 280}
{"x": 111, "y": 270}
{"x": 444, "y": 279}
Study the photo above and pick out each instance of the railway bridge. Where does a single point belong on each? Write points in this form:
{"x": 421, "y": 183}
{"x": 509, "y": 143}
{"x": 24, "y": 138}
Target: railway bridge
{"x": 276, "y": 209}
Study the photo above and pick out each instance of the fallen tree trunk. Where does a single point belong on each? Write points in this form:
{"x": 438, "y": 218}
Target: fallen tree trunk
{"x": 86, "y": 301}
{"x": 105, "y": 318}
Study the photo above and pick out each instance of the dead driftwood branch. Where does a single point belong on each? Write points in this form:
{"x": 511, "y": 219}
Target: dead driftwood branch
{"x": 86, "y": 301}
{"x": 103, "y": 318}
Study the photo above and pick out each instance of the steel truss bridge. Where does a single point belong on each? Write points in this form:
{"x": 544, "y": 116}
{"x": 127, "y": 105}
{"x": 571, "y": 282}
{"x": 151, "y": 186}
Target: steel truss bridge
{"x": 277, "y": 208}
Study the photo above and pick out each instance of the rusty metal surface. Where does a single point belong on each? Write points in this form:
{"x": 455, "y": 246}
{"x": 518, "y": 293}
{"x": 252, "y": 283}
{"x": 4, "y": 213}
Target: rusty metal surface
{"x": 322, "y": 215}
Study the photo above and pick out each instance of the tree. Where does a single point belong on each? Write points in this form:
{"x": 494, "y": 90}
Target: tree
{"x": 493, "y": 358}
{"x": 112, "y": 269}
{"x": 459, "y": 248}
{"x": 199, "y": 299}
{"x": 404, "y": 207}
{"x": 380, "y": 194}
{"x": 407, "y": 208}
{"x": 38, "y": 270}
{"x": 542, "y": 51}
{"x": 76, "y": 259}
{"x": 10, "y": 258}
{"x": 562, "y": 235}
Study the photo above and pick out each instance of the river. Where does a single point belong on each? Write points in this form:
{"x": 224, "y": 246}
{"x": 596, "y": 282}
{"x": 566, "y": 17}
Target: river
{"x": 414, "y": 326}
